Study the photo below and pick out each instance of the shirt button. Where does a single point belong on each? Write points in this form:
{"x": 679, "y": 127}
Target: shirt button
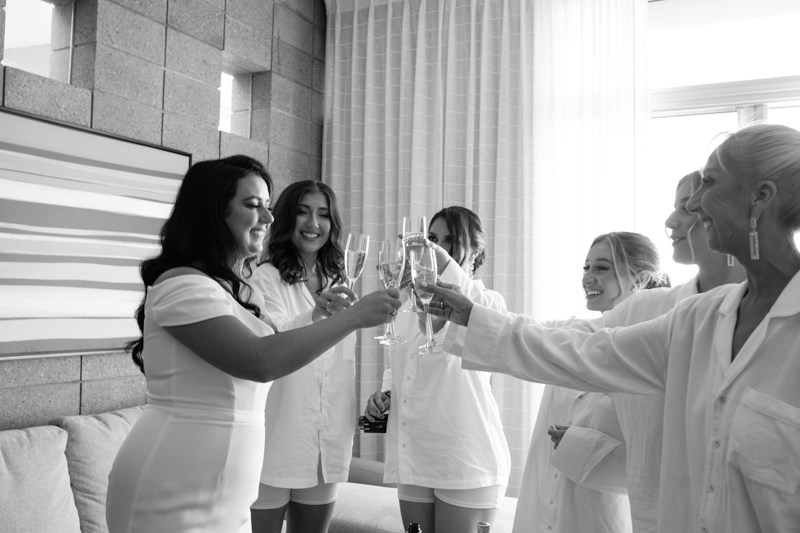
{"x": 716, "y": 443}
{"x": 404, "y": 445}
{"x": 552, "y": 502}
{"x": 711, "y": 488}
{"x": 703, "y": 529}
{"x": 549, "y": 527}
{"x": 408, "y": 378}
{"x": 722, "y": 399}
{"x": 556, "y": 476}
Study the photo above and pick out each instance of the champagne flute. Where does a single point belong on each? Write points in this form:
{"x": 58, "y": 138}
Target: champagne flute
{"x": 414, "y": 231}
{"x": 391, "y": 261}
{"x": 355, "y": 255}
{"x": 425, "y": 270}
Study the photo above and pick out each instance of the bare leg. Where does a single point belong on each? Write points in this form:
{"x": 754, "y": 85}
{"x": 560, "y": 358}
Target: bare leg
{"x": 268, "y": 520}
{"x": 302, "y": 518}
{"x": 421, "y": 513}
{"x": 453, "y": 519}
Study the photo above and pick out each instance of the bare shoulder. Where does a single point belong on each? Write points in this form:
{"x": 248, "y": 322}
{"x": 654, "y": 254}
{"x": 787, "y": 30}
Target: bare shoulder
{"x": 179, "y": 271}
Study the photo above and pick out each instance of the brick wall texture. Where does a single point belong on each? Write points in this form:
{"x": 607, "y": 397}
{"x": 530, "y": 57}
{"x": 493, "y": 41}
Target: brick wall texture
{"x": 149, "y": 70}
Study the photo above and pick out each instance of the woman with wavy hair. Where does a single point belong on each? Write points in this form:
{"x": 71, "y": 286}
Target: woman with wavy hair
{"x": 311, "y": 413}
{"x": 187, "y": 464}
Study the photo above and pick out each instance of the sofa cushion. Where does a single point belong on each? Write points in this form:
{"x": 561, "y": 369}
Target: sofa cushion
{"x": 92, "y": 446}
{"x": 35, "y": 493}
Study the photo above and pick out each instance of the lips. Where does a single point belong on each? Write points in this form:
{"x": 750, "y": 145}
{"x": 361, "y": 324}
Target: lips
{"x": 309, "y": 236}
{"x": 590, "y": 293}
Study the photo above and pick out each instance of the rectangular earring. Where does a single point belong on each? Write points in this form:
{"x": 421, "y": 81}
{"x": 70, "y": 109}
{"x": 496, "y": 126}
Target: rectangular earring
{"x": 730, "y": 260}
{"x": 753, "y": 239}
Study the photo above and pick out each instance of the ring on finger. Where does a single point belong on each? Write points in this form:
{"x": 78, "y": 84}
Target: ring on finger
{"x": 328, "y": 306}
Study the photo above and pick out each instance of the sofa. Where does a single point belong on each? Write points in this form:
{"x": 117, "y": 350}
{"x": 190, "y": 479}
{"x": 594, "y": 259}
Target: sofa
{"x": 53, "y": 479}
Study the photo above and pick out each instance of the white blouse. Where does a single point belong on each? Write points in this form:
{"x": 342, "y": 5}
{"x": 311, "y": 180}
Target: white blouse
{"x": 311, "y": 413}
{"x": 641, "y": 418}
{"x": 731, "y": 426}
{"x": 444, "y": 428}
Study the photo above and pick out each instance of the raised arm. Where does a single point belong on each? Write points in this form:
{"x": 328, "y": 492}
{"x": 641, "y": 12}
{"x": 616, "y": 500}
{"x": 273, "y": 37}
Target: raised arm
{"x": 226, "y": 343}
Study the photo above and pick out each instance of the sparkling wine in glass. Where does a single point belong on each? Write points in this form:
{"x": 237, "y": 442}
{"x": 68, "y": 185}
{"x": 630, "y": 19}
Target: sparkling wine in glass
{"x": 355, "y": 255}
{"x": 414, "y": 231}
{"x": 425, "y": 270}
{"x": 391, "y": 262}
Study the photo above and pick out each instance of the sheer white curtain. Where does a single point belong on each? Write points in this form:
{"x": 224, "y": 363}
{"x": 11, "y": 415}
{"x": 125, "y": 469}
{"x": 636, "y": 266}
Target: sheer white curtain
{"x": 526, "y": 111}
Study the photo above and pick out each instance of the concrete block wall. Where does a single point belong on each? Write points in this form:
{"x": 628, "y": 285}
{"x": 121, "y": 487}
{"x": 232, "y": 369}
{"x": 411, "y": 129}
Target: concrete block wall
{"x": 149, "y": 70}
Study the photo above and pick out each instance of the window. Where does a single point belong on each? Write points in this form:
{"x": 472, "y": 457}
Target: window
{"x": 236, "y": 103}
{"x": 38, "y": 38}
{"x": 713, "y": 67}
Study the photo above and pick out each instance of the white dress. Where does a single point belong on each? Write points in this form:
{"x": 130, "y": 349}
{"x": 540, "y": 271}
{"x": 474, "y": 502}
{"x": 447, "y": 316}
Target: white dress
{"x": 731, "y": 425}
{"x": 311, "y": 413}
{"x": 444, "y": 429}
{"x": 188, "y": 463}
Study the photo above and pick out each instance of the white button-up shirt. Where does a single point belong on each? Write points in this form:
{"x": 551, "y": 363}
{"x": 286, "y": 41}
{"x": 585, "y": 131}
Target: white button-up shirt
{"x": 581, "y": 455}
{"x": 311, "y": 413}
{"x": 444, "y": 428}
{"x": 731, "y": 427}
{"x": 551, "y": 501}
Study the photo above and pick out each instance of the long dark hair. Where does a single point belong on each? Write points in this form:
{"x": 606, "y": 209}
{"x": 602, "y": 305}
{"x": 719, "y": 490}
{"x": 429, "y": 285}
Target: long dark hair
{"x": 196, "y": 233}
{"x": 280, "y": 250}
{"x": 467, "y": 232}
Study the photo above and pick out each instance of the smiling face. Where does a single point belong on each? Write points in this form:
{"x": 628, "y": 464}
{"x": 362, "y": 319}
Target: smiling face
{"x": 600, "y": 283}
{"x": 248, "y": 216}
{"x": 722, "y": 204}
{"x": 683, "y": 226}
{"x": 312, "y": 226}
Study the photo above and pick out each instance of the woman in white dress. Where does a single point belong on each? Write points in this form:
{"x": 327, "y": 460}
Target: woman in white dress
{"x": 445, "y": 446}
{"x": 188, "y": 463}
{"x": 584, "y": 425}
{"x": 311, "y": 413}
{"x": 725, "y": 360}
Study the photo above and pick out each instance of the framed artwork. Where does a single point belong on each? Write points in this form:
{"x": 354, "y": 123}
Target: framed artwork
{"x": 79, "y": 211}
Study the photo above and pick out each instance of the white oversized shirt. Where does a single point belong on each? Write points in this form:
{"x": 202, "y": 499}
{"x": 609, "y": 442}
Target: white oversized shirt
{"x": 311, "y": 413}
{"x": 641, "y": 418}
{"x": 444, "y": 428}
{"x": 731, "y": 426}
{"x": 549, "y": 501}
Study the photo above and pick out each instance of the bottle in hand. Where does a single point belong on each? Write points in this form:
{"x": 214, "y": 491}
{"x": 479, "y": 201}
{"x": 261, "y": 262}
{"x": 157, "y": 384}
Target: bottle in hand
{"x": 413, "y": 527}
{"x": 483, "y": 527}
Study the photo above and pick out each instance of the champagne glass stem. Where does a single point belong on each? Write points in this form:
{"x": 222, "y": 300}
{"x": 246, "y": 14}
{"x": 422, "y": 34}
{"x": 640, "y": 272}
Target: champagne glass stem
{"x": 428, "y": 325}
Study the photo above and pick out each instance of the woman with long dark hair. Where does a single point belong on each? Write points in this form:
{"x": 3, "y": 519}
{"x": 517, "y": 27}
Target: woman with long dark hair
{"x": 188, "y": 462}
{"x": 311, "y": 413}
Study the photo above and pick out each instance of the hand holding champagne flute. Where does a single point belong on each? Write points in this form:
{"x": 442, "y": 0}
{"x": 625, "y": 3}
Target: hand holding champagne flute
{"x": 355, "y": 255}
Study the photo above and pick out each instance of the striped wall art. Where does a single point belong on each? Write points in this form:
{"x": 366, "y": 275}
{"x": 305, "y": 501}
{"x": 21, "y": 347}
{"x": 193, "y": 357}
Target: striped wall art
{"x": 78, "y": 213}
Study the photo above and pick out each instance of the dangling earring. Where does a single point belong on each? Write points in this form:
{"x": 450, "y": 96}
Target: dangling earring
{"x": 730, "y": 260}
{"x": 753, "y": 239}
{"x": 472, "y": 267}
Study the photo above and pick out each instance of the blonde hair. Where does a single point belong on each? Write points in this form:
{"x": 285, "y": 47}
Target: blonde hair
{"x": 636, "y": 260}
{"x": 770, "y": 152}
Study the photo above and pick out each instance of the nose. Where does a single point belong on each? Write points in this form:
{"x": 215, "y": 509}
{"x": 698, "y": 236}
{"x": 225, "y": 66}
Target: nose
{"x": 266, "y": 216}
{"x": 670, "y": 222}
{"x": 587, "y": 278}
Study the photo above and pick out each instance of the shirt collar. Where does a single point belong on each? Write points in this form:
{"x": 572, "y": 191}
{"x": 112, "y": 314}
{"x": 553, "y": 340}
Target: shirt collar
{"x": 787, "y": 304}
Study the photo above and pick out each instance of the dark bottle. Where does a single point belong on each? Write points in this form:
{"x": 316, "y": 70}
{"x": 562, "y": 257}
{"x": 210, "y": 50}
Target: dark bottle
{"x": 413, "y": 527}
{"x": 483, "y": 527}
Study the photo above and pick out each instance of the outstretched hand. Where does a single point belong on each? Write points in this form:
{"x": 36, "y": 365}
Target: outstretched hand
{"x": 376, "y": 308}
{"x": 448, "y": 302}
